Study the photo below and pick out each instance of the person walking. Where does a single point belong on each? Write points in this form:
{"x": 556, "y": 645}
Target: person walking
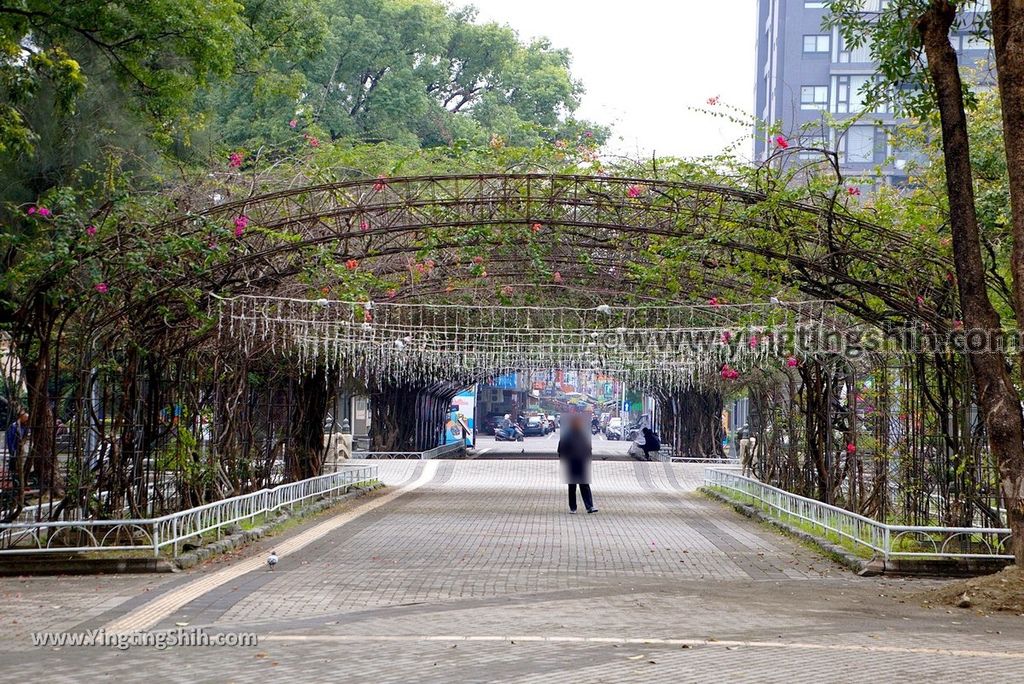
{"x": 574, "y": 451}
{"x": 13, "y": 440}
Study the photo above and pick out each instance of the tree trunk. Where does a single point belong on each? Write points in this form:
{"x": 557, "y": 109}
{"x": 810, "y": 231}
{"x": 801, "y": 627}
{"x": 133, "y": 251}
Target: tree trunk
{"x": 699, "y": 430}
{"x": 313, "y": 396}
{"x": 393, "y": 427}
{"x": 997, "y": 397}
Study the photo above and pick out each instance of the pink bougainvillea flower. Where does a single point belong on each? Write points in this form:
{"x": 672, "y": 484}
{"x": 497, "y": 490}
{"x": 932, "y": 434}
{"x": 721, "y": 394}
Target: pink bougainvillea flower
{"x": 392, "y": 293}
{"x": 781, "y": 142}
{"x": 44, "y": 212}
{"x": 30, "y": 211}
{"x": 478, "y": 260}
{"x": 726, "y": 336}
{"x": 102, "y": 288}
{"x": 853, "y": 190}
{"x": 752, "y": 342}
{"x": 293, "y": 123}
{"x": 367, "y": 316}
{"x": 535, "y": 227}
{"x": 713, "y": 100}
{"x": 588, "y": 134}
{"x": 241, "y": 223}
{"x": 714, "y": 302}
{"x": 557, "y": 277}
{"x": 851, "y": 448}
{"x": 920, "y": 300}
{"x": 314, "y": 142}
{"x": 381, "y": 183}
{"x": 235, "y": 160}
{"x": 792, "y": 362}
{"x": 634, "y": 191}
{"x": 90, "y": 230}
{"x": 958, "y": 325}
{"x": 729, "y": 373}
{"x": 213, "y": 244}
{"x": 364, "y": 226}
{"x": 351, "y": 264}
{"x": 950, "y": 277}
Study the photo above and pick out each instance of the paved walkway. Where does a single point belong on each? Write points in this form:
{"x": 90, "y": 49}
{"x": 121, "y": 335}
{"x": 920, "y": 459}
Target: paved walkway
{"x": 475, "y": 572}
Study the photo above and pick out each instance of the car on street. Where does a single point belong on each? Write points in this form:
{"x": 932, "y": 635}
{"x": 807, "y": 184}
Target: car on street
{"x": 535, "y": 427}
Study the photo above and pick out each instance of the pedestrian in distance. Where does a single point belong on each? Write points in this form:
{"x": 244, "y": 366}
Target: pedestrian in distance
{"x": 575, "y": 454}
{"x": 14, "y": 439}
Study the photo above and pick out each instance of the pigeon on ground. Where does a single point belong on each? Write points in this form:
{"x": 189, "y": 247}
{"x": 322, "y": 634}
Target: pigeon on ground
{"x": 272, "y": 560}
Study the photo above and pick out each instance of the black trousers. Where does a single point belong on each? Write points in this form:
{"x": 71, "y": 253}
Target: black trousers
{"x": 588, "y": 497}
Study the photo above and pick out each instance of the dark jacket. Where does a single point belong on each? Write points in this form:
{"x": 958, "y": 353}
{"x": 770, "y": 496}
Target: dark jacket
{"x": 15, "y": 435}
{"x": 651, "y": 441}
{"x": 575, "y": 453}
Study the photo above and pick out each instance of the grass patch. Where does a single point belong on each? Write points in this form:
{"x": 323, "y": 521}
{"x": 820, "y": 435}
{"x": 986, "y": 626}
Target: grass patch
{"x": 796, "y": 523}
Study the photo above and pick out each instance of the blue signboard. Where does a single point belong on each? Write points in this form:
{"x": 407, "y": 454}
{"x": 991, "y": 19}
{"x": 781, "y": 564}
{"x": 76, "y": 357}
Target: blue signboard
{"x": 509, "y": 381}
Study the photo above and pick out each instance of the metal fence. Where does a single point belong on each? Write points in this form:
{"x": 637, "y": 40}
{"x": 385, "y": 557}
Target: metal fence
{"x": 68, "y": 536}
{"x": 888, "y": 541}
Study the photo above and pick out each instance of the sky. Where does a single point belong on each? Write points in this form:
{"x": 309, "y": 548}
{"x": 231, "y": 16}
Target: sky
{"x": 646, "y": 63}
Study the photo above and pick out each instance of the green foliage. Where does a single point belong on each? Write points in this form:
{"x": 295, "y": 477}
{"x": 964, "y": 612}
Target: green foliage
{"x": 411, "y": 72}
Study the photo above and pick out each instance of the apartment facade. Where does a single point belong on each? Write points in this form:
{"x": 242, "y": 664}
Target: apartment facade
{"x": 805, "y": 71}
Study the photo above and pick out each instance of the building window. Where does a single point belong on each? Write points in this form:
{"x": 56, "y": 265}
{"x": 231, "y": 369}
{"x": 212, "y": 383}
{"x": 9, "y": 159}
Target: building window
{"x": 864, "y": 145}
{"x": 817, "y": 43}
{"x": 848, "y": 55}
{"x": 850, "y": 96}
{"x": 813, "y": 97}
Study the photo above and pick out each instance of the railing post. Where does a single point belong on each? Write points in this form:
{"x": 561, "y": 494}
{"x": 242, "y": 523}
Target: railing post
{"x": 887, "y": 541}
{"x": 156, "y": 540}
{"x": 174, "y": 532}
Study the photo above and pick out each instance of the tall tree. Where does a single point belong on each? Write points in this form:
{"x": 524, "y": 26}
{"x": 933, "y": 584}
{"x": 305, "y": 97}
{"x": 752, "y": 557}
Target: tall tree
{"x": 919, "y": 68}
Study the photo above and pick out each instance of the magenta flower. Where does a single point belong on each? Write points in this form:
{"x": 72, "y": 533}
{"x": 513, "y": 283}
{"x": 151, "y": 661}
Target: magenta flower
{"x": 43, "y": 211}
{"x": 314, "y": 142}
{"x": 792, "y": 362}
{"x": 588, "y": 134}
{"x": 364, "y": 226}
{"x": 853, "y": 190}
{"x": 635, "y": 191}
{"x": 30, "y": 211}
{"x": 714, "y": 301}
{"x": 102, "y": 288}
{"x": 557, "y": 277}
{"x": 39, "y": 210}
{"x": 752, "y": 342}
{"x": 293, "y": 123}
{"x": 712, "y": 101}
{"x": 781, "y": 142}
{"x": 241, "y": 223}
{"x": 851, "y": 448}
{"x": 726, "y": 336}
{"x": 90, "y": 230}
{"x": 729, "y": 373}
{"x": 380, "y": 184}
{"x": 235, "y": 160}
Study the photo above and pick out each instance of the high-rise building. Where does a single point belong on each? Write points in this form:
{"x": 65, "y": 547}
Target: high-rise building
{"x": 805, "y": 71}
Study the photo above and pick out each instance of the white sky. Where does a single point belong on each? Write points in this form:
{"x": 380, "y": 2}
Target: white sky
{"x": 644, "y": 63}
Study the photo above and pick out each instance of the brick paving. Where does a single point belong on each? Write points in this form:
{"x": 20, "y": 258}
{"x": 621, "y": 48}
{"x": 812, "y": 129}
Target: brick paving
{"x": 481, "y": 575}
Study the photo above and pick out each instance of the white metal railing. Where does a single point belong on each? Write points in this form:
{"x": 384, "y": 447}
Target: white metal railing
{"x": 69, "y": 536}
{"x": 889, "y": 541}
{"x": 436, "y": 452}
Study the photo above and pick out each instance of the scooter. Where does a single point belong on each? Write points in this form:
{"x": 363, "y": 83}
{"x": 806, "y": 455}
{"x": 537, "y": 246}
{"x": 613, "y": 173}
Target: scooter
{"x": 509, "y": 434}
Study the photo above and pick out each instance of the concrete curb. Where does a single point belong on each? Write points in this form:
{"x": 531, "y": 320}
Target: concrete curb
{"x": 834, "y": 552}
{"x": 240, "y": 538}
